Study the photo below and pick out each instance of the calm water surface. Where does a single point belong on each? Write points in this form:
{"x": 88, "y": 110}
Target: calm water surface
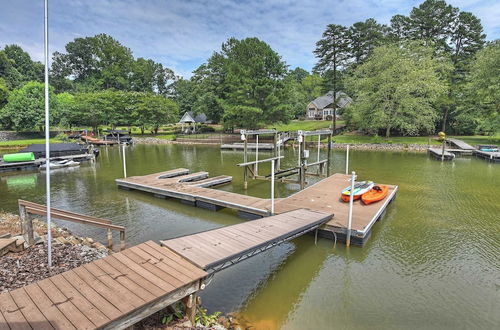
{"x": 433, "y": 262}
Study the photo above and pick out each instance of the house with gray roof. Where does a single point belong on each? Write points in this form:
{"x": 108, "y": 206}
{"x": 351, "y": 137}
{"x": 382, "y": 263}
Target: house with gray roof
{"x": 322, "y": 106}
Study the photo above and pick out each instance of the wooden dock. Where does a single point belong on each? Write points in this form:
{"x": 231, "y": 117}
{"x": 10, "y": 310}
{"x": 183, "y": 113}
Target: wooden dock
{"x": 491, "y": 156}
{"x": 111, "y": 293}
{"x": 437, "y": 153}
{"x": 250, "y": 146}
{"x": 460, "y": 144}
{"x": 323, "y": 196}
{"x": 216, "y": 249}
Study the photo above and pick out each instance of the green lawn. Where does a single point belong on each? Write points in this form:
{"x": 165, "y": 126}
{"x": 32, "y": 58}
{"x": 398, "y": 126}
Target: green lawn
{"x": 304, "y": 125}
{"x": 357, "y": 139}
{"x": 22, "y": 143}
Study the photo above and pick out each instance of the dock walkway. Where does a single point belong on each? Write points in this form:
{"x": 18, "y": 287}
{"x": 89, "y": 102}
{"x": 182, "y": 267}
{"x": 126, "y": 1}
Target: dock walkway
{"x": 216, "y": 249}
{"x": 437, "y": 153}
{"x": 110, "y": 293}
{"x": 323, "y": 196}
{"x": 460, "y": 144}
{"x": 492, "y": 156}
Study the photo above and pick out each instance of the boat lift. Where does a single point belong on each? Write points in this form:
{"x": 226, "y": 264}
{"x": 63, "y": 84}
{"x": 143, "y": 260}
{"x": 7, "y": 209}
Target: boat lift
{"x": 282, "y": 174}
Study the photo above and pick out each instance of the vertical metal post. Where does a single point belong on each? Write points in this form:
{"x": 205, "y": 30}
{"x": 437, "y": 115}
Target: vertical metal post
{"x": 272, "y": 186}
{"x": 349, "y": 219}
{"x": 442, "y": 150}
{"x": 47, "y": 135}
{"x": 245, "y": 159}
{"x": 278, "y": 164}
{"x": 329, "y": 155}
{"x": 256, "y": 173}
{"x": 319, "y": 144}
{"x": 124, "y": 162}
{"x": 347, "y": 160}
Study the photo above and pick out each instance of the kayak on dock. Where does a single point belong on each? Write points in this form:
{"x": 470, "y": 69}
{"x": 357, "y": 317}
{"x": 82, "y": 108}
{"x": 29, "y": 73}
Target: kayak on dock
{"x": 359, "y": 189}
{"x": 377, "y": 193}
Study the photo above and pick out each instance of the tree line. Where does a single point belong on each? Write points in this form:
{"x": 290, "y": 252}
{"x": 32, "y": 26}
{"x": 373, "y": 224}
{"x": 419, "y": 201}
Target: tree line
{"x": 431, "y": 70}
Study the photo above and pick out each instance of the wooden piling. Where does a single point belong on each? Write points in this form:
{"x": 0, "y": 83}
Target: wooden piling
{"x": 26, "y": 225}
{"x": 110, "y": 239}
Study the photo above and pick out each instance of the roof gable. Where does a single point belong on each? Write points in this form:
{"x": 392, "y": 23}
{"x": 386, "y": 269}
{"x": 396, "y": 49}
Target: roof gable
{"x": 187, "y": 118}
{"x": 326, "y": 100}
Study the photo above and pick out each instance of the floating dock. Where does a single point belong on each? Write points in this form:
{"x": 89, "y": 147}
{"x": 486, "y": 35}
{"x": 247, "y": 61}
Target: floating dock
{"x": 460, "y": 144}
{"x": 323, "y": 196}
{"x": 491, "y": 156}
{"x": 250, "y": 146}
{"x": 437, "y": 153}
{"x": 35, "y": 164}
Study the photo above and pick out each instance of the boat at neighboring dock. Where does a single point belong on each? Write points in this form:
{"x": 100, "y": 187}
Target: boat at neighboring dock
{"x": 359, "y": 189}
{"x": 376, "y": 194}
{"x": 59, "y": 164}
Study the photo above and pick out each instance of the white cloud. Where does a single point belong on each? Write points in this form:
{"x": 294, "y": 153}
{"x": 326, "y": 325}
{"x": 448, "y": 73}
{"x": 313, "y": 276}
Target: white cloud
{"x": 182, "y": 34}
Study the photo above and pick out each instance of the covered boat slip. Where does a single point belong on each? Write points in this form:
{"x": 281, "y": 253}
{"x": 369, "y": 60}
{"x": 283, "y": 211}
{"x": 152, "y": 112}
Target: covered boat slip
{"x": 110, "y": 293}
{"x": 323, "y": 196}
{"x": 216, "y": 249}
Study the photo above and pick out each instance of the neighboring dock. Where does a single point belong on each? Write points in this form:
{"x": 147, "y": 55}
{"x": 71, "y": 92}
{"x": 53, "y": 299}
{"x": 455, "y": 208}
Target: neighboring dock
{"x": 460, "y": 144}
{"x": 323, "y": 196}
{"x": 438, "y": 154}
{"x": 491, "y": 156}
{"x": 35, "y": 164}
{"x": 250, "y": 146}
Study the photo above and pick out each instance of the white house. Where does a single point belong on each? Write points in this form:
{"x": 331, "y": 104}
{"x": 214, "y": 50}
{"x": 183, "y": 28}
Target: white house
{"x": 322, "y": 106}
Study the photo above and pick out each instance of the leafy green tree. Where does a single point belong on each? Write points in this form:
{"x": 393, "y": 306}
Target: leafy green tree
{"x": 149, "y": 76}
{"x": 244, "y": 83}
{"x": 480, "y": 106}
{"x": 333, "y": 54}
{"x": 25, "y": 109}
{"x": 29, "y": 69}
{"x": 298, "y": 74}
{"x": 399, "y": 29}
{"x": 95, "y": 63}
{"x": 152, "y": 111}
{"x": 4, "y": 93}
{"x": 65, "y": 109}
{"x": 364, "y": 37}
{"x": 396, "y": 89}
{"x": 184, "y": 94}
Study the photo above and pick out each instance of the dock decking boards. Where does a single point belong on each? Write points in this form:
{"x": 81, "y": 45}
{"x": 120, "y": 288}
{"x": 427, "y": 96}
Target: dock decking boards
{"x": 323, "y": 196}
{"x": 460, "y": 144}
{"x": 438, "y": 153}
{"x": 217, "y": 249}
{"x": 492, "y": 156}
{"x": 110, "y": 293}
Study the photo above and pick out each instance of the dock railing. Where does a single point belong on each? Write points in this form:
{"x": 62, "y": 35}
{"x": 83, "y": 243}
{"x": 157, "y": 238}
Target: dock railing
{"x": 26, "y": 208}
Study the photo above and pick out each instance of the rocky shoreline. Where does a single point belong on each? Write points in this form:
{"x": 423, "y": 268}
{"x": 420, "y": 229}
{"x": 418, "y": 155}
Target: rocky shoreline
{"x": 354, "y": 146}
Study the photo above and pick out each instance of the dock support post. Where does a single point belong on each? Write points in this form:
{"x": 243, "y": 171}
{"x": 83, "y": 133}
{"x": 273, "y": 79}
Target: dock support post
{"x": 110, "y": 239}
{"x": 442, "y": 150}
{"x": 349, "y": 219}
{"x": 320, "y": 168}
{"x": 278, "y": 164}
{"x": 26, "y": 225}
{"x": 122, "y": 240}
{"x": 191, "y": 302}
{"x": 124, "y": 162}
{"x": 329, "y": 155}
{"x": 347, "y": 160}
{"x": 272, "y": 187}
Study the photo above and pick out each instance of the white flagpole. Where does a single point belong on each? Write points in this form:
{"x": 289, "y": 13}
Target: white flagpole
{"x": 47, "y": 135}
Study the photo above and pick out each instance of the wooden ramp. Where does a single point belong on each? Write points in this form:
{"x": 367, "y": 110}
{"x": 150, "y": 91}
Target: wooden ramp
{"x": 460, "y": 144}
{"x": 220, "y": 248}
{"x": 111, "y": 293}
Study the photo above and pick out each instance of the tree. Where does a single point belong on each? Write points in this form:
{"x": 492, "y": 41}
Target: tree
{"x": 153, "y": 111}
{"x": 481, "y": 102}
{"x": 65, "y": 109}
{"x": 364, "y": 37}
{"x": 17, "y": 68}
{"x": 4, "y": 93}
{"x": 149, "y": 76}
{"x": 95, "y": 63}
{"x": 396, "y": 89}
{"x": 184, "y": 94}
{"x": 244, "y": 83}
{"x": 333, "y": 53}
{"x": 298, "y": 74}
{"x": 25, "y": 109}
{"x": 432, "y": 22}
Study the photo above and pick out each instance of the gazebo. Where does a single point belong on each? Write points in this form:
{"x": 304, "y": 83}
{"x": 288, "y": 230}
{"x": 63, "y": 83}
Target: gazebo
{"x": 188, "y": 119}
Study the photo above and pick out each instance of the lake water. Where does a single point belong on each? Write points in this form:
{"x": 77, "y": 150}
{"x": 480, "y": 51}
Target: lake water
{"x": 432, "y": 262}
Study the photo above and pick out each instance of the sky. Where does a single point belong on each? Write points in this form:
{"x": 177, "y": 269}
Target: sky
{"x": 182, "y": 34}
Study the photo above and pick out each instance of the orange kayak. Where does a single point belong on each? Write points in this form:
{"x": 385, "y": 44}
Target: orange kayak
{"x": 377, "y": 193}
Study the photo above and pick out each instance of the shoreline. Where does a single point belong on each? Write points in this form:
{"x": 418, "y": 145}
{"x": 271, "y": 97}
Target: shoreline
{"x": 353, "y": 146}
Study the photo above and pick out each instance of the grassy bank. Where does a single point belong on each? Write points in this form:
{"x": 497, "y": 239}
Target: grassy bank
{"x": 24, "y": 143}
